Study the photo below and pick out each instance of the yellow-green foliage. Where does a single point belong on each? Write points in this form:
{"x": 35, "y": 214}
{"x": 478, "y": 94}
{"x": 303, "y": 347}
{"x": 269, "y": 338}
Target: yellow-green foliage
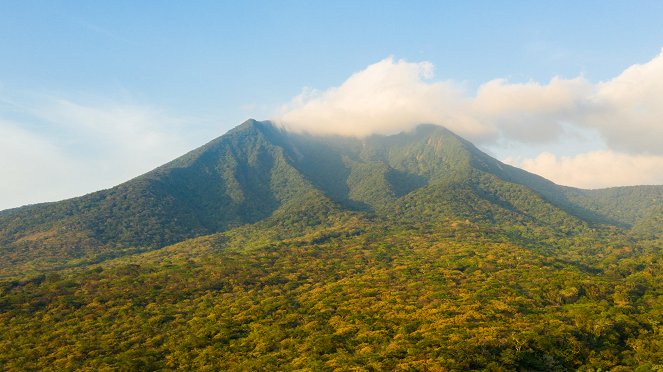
{"x": 407, "y": 252}
{"x": 358, "y": 294}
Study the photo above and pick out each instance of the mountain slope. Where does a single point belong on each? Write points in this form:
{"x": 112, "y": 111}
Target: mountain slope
{"x": 626, "y": 206}
{"x": 407, "y": 252}
{"x": 347, "y": 294}
{"x": 256, "y": 169}
{"x": 237, "y": 179}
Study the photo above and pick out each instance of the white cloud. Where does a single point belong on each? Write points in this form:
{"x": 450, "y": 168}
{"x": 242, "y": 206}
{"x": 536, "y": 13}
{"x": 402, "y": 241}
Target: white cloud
{"x": 529, "y": 112}
{"x": 596, "y": 169}
{"x": 386, "y": 97}
{"x": 391, "y": 96}
{"x": 627, "y": 110}
{"x": 57, "y": 148}
{"x": 625, "y": 113}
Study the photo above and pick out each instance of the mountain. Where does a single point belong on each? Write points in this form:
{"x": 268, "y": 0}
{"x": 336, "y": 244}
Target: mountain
{"x": 257, "y": 169}
{"x": 271, "y": 250}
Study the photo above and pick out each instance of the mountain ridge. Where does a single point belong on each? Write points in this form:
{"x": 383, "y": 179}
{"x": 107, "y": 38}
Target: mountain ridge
{"x": 249, "y": 173}
{"x": 271, "y": 250}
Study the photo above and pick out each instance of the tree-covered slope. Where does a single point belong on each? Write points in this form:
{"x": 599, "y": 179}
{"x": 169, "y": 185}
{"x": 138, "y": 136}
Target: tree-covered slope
{"x": 354, "y": 293}
{"x": 256, "y": 169}
{"x": 627, "y": 206}
{"x": 270, "y": 250}
{"x": 237, "y": 179}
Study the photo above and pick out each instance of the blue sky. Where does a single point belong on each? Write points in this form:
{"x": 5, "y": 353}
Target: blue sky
{"x": 94, "y": 93}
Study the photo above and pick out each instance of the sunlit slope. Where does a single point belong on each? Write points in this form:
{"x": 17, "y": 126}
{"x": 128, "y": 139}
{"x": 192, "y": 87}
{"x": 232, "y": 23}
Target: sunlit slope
{"x": 257, "y": 169}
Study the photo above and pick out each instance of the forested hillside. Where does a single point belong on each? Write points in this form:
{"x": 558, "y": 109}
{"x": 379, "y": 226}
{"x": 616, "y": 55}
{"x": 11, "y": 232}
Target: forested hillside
{"x": 255, "y": 169}
{"x": 270, "y": 250}
{"x": 351, "y": 293}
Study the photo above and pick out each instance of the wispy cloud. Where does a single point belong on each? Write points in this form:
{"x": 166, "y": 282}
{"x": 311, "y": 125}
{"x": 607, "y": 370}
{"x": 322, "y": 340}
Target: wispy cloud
{"x": 596, "y": 169}
{"x": 30, "y": 167}
{"x": 57, "y": 148}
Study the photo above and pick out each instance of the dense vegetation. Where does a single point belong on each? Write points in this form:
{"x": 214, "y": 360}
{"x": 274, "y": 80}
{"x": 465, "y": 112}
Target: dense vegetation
{"x": 408, "y": 252}
{"x": 255, "y": 169}
{"x": 356, "y": 294}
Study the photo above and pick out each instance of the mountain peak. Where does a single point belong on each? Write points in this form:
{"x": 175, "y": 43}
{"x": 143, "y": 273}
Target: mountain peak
{"x": 248, "y": 124}
{"x": 325, "y": 238}
{"x": 258, "y": 170}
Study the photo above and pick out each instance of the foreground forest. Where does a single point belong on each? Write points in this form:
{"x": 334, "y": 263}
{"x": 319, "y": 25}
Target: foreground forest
{"x": 265, "y": 250}
{"x": 358, "y": 294}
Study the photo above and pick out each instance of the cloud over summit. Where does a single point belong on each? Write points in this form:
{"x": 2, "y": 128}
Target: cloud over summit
{"x": 395, "y": 95}
{"x": 386, "y": 97}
